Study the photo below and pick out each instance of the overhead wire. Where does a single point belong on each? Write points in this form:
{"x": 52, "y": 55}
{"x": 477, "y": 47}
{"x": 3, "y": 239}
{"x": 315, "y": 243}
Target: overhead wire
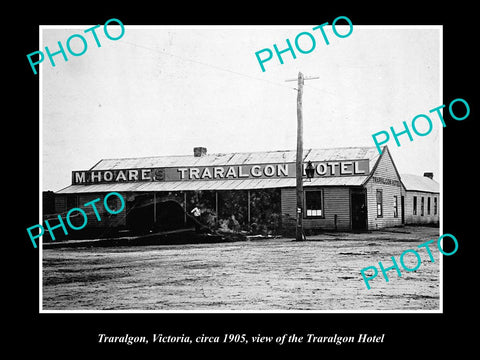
{"x": 209, "y": 65}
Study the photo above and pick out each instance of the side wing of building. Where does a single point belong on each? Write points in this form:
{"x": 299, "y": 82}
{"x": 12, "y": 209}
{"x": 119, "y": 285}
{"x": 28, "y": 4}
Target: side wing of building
{"x": 384, "y": 194}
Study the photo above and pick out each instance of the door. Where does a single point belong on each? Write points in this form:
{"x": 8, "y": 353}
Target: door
{"x": 359, "y": 210}
{"x": 402, "y": 204}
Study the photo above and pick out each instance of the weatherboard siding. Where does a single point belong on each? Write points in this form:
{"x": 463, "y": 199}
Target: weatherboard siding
{"x": 77, "y": 219}
{"x": 386, "y": 170}
{"x": 431, "y": 218}
{"x": 336, "y": 201}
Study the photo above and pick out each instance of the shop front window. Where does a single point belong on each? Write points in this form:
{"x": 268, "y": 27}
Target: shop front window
{"x": 313, "y": 203}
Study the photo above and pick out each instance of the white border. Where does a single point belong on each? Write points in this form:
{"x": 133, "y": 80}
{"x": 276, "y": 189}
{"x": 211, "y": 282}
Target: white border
{"x": 441, "y": 164}
{"x": 247, "y": 27}
{"x": 40, "y": 169}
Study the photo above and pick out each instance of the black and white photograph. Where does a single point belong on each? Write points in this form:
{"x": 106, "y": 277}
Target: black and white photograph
{"x": 268, "y": 179}
{"x": 176, "y": 173}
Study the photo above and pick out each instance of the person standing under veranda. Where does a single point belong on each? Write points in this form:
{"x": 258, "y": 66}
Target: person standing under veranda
{"x": 196, "y": 216}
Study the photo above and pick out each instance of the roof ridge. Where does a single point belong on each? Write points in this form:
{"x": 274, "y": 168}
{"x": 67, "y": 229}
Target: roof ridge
{"x": 237, "y": 152}
{"x": 414, "y": 182}
{"x": 422, "y": 177}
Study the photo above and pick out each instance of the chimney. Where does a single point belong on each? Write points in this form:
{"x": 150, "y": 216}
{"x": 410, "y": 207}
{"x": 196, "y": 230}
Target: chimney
{"x": 199, "y": 151}
{"x": 428, "y": 175}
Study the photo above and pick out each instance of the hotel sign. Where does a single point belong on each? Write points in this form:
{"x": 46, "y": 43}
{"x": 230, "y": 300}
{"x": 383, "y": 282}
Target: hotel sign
{"x": 245, "y": 171}
{"x": 382, "y": 180}
{"x": 117, "y": 175}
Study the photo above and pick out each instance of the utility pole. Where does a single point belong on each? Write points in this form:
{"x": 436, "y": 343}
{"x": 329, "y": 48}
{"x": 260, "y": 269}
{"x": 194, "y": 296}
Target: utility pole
{"x": 299, "y": 235}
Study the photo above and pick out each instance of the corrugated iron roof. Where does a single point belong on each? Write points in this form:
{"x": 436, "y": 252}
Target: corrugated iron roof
{"x": 336, "y": 181}
{"x": 237, "y": 184}
{"x": 349, "y": 153}
{"x": 419, "y": 183}
{"x": 261, "y": 157}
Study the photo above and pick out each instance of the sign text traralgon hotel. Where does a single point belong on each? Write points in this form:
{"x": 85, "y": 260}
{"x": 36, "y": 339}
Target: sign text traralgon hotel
{"x": 326, "y": 168}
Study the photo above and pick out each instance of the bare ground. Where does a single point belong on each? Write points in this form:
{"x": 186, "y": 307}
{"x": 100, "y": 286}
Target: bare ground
{"x": 277, "y": 274}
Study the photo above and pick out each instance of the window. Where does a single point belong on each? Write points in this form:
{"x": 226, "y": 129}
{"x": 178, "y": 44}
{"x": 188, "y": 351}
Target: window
{"x": 435, "y": 206}
{"x": 395, "y": 206}
{"x": 428, "y": 205}
{"x": 379, "y": 203}
{"x": 313, "y": 203}
{"x": 414, "y": 205}
{"x": 422, "y": 206}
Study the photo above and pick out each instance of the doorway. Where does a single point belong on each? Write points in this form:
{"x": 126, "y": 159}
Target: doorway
{"x": 359, "y": 210}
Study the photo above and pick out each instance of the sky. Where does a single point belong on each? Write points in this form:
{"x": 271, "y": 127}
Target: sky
{"x": 163, "y": 90}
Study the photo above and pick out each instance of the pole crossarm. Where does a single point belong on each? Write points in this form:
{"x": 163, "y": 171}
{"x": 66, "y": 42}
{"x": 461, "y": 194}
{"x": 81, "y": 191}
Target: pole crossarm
{"x": 304, "y": 78}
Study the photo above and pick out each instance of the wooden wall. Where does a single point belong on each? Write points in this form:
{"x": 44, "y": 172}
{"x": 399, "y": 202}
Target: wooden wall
{"x": 426, "y": 218}
{"x": 385, "y": 169}
{"x": 336, "y": 201}
{"x": 65, "y": 202}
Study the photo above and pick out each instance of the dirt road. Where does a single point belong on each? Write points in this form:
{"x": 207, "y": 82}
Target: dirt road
{"x": 277, "y": 274}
